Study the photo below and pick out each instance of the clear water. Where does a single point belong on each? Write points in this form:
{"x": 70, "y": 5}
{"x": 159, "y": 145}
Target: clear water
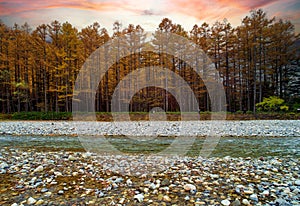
{"x": 227, "y": 146}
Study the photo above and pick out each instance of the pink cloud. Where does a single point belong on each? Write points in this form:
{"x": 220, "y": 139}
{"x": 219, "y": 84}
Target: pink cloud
{"x": 217, "y": 9}
{"x": 14, "y": 7}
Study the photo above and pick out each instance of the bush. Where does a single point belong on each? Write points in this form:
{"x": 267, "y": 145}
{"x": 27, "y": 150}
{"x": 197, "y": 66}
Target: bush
{"x": 272, "y": 104}
{"x": 249, "y": 112}
{"x": 284, "y": 108}
{"x": 295, "y": 107}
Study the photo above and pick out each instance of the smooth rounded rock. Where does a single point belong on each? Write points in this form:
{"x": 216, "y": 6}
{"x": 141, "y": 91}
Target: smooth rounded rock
{"x": 225, "y": 202}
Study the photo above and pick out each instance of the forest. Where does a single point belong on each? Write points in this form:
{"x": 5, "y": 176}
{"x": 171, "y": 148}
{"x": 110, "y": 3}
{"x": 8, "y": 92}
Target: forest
{"x": 258, "y": 59}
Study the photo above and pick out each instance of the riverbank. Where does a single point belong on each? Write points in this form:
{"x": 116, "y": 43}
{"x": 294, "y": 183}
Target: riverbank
{"x": 252, "y": 128}
{"x": 30, "y": 177}
{"x": 142, "y": 116}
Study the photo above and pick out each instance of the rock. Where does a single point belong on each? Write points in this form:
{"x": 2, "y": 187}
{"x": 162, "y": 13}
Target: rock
{"x": 74, "y": 174}
{"x": 122, "y": 200}
{"x": 152, "y": 186}
{"x": 187, "y": 198}
{"x": 297, "y": 182}
{"x": 60, "y": 192}
{"x": 282, "y": 202}
{"x": 191, "y": 188}
{"x": 44, "y": 190}
{"x": 165, "y": 182}
{"x": 248, "y": 191}
{"x": 225, "y": 202}
{"x": 100, "y": 194}
{"x": 119, "y": 180}
{"x": 254, "y": 197}
{"x": 40, "y": 202}
{"x": 48, "y": 194}
{"x": 4, "y": 165}
{"x": 56, "y": 173}
{"x": 296, "y": 191}
{"x": 166, "y": 198}
{"x": 214, "y": 176}
{"x": 139, "y": 197}
{"x": 266, "y": 193}
{"x": 71, "y": 158}
{"x": 14, "y": 204}
{"x": 236, "y": 203}
{"x": 245, "y": 202}
{"x": 129, "y": 182}
{"x": 31, "y": 201}
{"x": 39, "y": 169}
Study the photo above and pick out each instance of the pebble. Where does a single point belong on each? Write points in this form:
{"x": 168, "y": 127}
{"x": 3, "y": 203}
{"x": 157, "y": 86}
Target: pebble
{"x": 4, "y": 165}
{"x": 39, "y": 169}
{"x": 60, "y": 192}
{"x": 225, "y": 202}
{"x": 191, "y": 188}
{"x": 236, "y": 203}
{"x": 129, "y": 182}
{"x": 245, "y": 202}
{"x": 166, "y": 198}
{"x": 139, "y": 197}
{"x": 297, "y": 182}
{"x": 254, "y": 197}
{"x": 40, "y": 202}
{"x": 31, "y": 201}
{"x": 43, "y": 190}
{"x": 71, "y": 158}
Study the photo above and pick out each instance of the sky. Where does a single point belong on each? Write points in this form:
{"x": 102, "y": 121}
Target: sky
{"x": 147, "y": 13}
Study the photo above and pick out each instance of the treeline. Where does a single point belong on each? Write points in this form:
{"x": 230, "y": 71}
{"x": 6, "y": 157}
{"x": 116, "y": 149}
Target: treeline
{"x": 38, "y": 68}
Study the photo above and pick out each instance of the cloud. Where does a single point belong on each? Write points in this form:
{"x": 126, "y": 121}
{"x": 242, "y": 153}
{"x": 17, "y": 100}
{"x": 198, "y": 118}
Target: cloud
{"x": 234, "y": 10}
{"x": 14, "y": 7}
{"x": 146, "y": 11}
{"x": 247, "y": 4}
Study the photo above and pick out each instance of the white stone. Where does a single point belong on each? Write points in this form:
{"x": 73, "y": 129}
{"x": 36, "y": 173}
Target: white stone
{"x": 266, "y": 193}
{"x": 225, "y": 202}
{"x": 214, "y": 176}
{"x": 3, "y": 165}
{"x": 31, "y": 201}
{"x": 129, "y": 182}
{"x": 166, "y": 198}
{"x": 139, "y": 197}
{"x": 189, "y": 187}
{"x": 245, "y": 202}
{"x": 39, "y": 169}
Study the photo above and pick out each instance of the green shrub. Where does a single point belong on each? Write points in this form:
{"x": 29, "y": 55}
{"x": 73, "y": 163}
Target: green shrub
{"x": 271, "y": 104}
{"x": 249, "y": 112}
{"x": 295, "y": 107}
{"x": 284, "y": 108}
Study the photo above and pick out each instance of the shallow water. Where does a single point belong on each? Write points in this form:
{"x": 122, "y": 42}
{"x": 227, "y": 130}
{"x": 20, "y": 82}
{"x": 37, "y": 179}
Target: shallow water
{"x": 227, "y": 146}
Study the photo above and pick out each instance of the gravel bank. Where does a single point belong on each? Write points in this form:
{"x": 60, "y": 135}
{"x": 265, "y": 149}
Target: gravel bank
{"x": 34, "y": 177}
{"x": 71, "y": 178}
{"x": 263, "y": 128}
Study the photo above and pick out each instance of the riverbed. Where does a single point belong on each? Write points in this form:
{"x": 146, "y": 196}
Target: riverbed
{"x": 252, "y": 163}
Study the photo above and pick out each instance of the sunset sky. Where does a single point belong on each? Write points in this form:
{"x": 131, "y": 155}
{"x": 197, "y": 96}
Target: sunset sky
{"x": 146, "y": 13}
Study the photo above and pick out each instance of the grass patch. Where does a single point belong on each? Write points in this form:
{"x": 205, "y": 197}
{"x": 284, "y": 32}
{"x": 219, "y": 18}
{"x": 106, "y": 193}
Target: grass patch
{"x": 144, "y": 116}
